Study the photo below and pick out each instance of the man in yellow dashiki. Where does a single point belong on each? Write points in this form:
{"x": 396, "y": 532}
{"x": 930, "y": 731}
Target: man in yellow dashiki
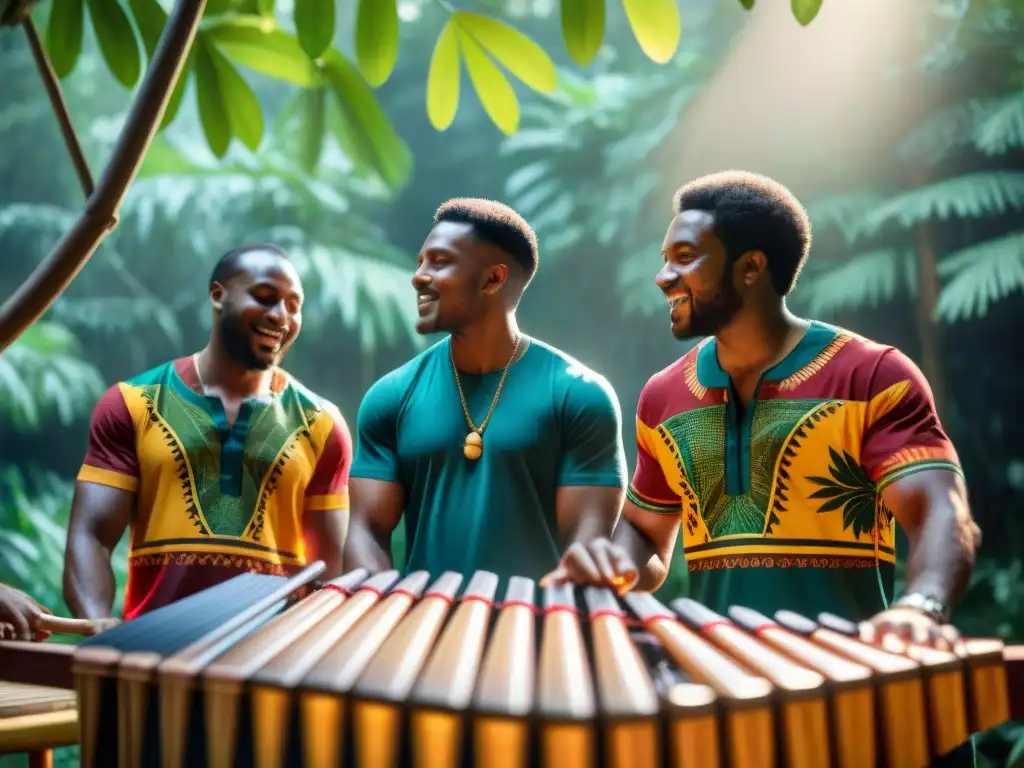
{"x": 220, "y": 462}
{"x": 786, "y": 449}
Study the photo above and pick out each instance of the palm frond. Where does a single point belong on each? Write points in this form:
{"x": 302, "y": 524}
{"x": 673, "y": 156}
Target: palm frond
{"x": 979, "y": 276}
{"x": 865, "y": 280}
{"x": 969, "y": 196}
{"x": 43, "y": 372}
{"x": 1001, "y": 129}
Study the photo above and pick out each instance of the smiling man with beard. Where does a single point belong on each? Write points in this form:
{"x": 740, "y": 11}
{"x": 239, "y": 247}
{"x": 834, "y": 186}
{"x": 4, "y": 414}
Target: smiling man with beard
{"x": 219, "y": 462}
{"x": 786, "y": 449}
{"x": 500, "y": 450}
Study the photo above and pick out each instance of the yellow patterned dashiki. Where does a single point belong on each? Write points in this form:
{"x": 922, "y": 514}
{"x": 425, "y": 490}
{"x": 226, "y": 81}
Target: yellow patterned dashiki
{"x": 214, "y": 500}
{"x": 780, "y": 501}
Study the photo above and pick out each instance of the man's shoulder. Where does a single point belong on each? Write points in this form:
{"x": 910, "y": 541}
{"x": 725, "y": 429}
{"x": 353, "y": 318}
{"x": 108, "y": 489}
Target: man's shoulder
{"x": 158, "y": 374}
{"x": 408, "y": 372}
{"x": 872, "y": 365}
{"x": 311, "y": 400}
{"x": 856, "y": 347}
{"x": 568, "y": 369}
{"x": 388, "y": 390}
{"x": 667, "y": 380}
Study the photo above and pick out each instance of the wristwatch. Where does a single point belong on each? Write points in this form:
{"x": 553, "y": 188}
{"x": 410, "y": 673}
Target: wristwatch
{"x": 929, "y": 606}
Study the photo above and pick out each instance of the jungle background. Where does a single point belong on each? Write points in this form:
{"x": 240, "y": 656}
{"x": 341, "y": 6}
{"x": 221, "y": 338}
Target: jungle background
{"x": 900, "y": 125}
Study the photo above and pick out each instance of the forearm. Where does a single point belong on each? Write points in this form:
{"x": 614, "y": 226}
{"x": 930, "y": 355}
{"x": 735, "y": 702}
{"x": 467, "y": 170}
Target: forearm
{"x": 89, "y": 584}
{"x": 366, "y": 549}
{"x": 644, "y": 553}
{"x": 942, "y": 553}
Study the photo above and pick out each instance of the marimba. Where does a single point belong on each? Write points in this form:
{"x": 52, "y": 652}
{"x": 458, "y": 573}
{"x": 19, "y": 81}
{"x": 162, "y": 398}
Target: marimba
{"x": 385, "y": 672}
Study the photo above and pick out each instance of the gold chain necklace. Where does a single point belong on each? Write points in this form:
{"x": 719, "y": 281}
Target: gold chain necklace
{"x": 473, "y": 446}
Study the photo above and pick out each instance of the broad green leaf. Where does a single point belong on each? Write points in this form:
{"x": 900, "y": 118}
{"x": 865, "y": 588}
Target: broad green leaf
{"x": 492, "y": 88}
{"x": 583, "y": 28}
{"x": 443, "y": 79}
{"x": 349, "y": 139}
{"x": 265, "y": 8}
{"x": 655, "y": 24}
{"x": 748, "y": 4}
{"x": 150, "y": 18}
{"x": 314, "y": 124}
{"x": 314, "y": 25}
{"x": 240, "y": 103}
{"x": 259, "y": 45}
{"x": 377, "y": 39}
{"x": 806, "y": 10}
{"x": 210, "y": 99}
{"x": 117, "y": 41}
{"x": 64, "y": 35}
{"x": 518, "y": 53}
{"x": 376, "y": 138}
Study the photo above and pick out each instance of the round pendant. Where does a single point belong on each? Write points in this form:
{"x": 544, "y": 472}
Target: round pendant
{"x": 473, "y": 447}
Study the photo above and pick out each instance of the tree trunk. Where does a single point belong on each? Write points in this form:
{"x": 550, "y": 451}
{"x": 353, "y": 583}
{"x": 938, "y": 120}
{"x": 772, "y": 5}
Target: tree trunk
{"x": 928, "y": 331}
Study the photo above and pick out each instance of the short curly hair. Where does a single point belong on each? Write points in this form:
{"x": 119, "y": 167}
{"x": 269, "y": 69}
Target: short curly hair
{"x": 497, "y": 224}
{"x": 753, "y": 213}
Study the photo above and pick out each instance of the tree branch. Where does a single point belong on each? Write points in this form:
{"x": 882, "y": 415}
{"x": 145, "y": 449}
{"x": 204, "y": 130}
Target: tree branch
{"x": 60, "y": 107}
{"x": 51, "y": 277}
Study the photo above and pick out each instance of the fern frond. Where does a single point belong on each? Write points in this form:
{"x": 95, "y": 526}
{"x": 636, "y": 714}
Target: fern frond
{"x": 365, "y": 287}
{"x": 969, "y": 196}
{"x": 845, "y": 212}
{"x": 866, "y": 280}
{"x": 1002, "y": 128}
{"x": 941, "y": 134}
{"x": 635, "y": 280}
{"x": 979, "y": 276}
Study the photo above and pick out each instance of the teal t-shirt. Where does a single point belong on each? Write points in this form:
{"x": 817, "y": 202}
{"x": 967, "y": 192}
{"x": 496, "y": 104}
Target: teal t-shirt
{"x": 557, "y": 423}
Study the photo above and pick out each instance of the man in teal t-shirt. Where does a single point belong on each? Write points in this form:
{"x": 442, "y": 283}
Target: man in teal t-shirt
{"x": 501, "y": 451}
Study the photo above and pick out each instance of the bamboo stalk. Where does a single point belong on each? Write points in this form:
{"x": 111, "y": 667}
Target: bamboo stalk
{"x": 68, "y": 257}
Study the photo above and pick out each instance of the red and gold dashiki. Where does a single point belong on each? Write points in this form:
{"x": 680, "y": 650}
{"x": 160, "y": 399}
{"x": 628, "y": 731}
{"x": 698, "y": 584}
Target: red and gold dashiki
{"x": 214, "y": 500}
{"x": 780, "y": 501}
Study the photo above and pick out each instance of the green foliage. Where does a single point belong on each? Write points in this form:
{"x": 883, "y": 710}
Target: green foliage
{"x": 246, "y": 33}
{"x": 376, "y": 38}
{"x": 43, "y": 373}
{"x": 979, "y": 276}
{"x": 969, "y": 196}
{"x": 480, "y": 41}
{"x": 805, "y": 10}
{"x": 583, "y": 24}
{"x": 314, "y": 24}
{"x": 656, "y": 26}
{"x": 864, "y": 280}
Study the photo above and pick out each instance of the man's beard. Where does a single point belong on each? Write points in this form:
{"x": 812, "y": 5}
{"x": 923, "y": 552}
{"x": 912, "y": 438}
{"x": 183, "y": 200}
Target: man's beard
{"x": 710, "y": 315}
{"x": 237, "y": 344}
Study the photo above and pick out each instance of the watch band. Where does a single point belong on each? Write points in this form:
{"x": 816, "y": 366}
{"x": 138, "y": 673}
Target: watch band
{"x": 929, "y": 606}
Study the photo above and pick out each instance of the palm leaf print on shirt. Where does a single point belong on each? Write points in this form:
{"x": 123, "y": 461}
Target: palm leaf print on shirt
{"x": 850, "y": 489}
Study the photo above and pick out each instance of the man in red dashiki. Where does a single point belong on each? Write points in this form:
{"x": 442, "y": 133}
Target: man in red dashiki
{"x": 786, "y": 449}
{"x": 219, "y": 462}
